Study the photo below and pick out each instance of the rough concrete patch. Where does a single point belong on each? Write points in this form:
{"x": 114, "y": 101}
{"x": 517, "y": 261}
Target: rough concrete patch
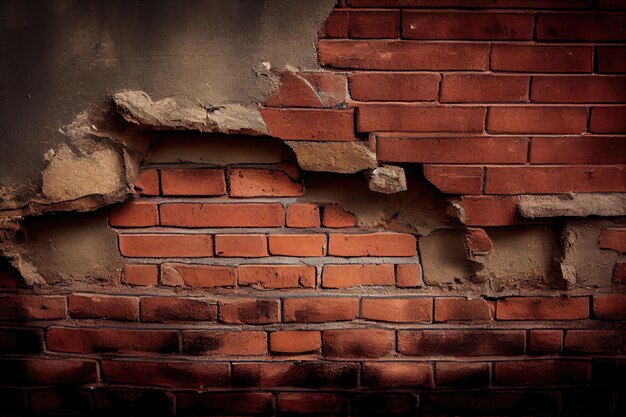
{"x": 339, "y": 157}
{"x": 387, "y": 179}
{"x": 183, "y": 114}
{"x": 444, "y": 259}
{"x": 573, "y": 205}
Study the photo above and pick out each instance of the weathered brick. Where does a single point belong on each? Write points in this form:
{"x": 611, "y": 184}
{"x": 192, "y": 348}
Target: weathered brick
{"x": 92, "y": 306}
{"x": 373, "y": 24}
{"x": 611, "y": 59}
{"x": 578, "y": 89}
{"x": 555, "y": 179}
{"x": 335, "y": 216}
{"x": 372, "y": 244}
{"x": 455, "y": 179}
{"x": 462, "y": 374}
{"x": 250, "y": 311}
{"x": 309, "y": 403}
{"x": 467, "y": 26}
{"x": 394, "y": 86}
{"x": 303, "y": 215}
{"x": 541, "y": 58}
{"x": 173, "y": 309}
{"x": 619, "y": 273}
{"x": 545, "y": 341}
{"x": 310, "y": 124}
{"x": 309, "y": 89}
{"x": 336, "y": 25}
{"x": 419, "y": 118}
{"x": 222, "y": 215}
{"x": 461, "y": 309}
{"x": 366, "y": 343}
{"x": 610, "y": 306}
{"x": 140, "y": 274}
{"x": 134, "y": 214}
{"x": 397, "y": 310}
{"x": 607, "y": 119}
{"x": 40, "y": 371}
{"x": 547, "y": 308}
{"x": 20, "y": 341}
{"x": 397, "y": 374}
{"x": 477, "y": 242}
{"x": 578, "y": 150}
{"x": 452, "y": 150}
{"x": 408, "y": 275}
{"x": 320, "y": 309}
{"x": 277, "y": 276}
{"x": 225, "y": 403}
{"x": 477, "y": 4}
{"x": 295, "y": 341}
{"x": 198, "y": 276}
{"x": 346, "y": 276}
{"x": 580, "y": 26}
{"x": 148, "y": 182}
{"x": 166, "y": 245}
{"x": 76, "y": 340}
{"x": 613, "y": 238}
{"x": 260, "y": 182}
{"x": 220, "y": 342}
{"x": 541, "y": 372}
{"x": 235, "y": 245}
{"x": 593, "y": 341}
{"x": 297, "y": 245}
{"x": 461, "y": 342}
{"x": 194, "y": 182}
{"x": 32, "y": 307}
{"x": 193, "y": 375}
{"x": 479, "y": 88}
{"x": 528, "y": 119}
{"x": 487, "y": 210}
{"x": 403, "y": 55}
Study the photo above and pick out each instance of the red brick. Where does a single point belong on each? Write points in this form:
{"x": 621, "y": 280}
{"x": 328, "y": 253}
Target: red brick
{"x": 140, "y": 274}
{"x": 578, "y": 150}
{"x": 538, "y": 372}
{"x": 397, "y": 310}
{"x": 336, "y": 25}
{"x": 535, "y": 308}
{"x": 310, "y": 124}
{"x": 92, "y": 306}
{"x": 461, "y": 309}
{"x": 545, "y": 341}
{"x": 249, "y": 311}
{"x": 372, "y": 244}
{"x": 173, "y": 309}
{"x": 403, "y": 55}
{"x": 259, "y": 182}
{"x": 303, "y": 215}
{"x": 295, "y": 341}
{"x": 306, "y": 374}
{"x": 358, "y": 343}
{"x": 613, "y": 238}
{"x": 555, "y": 179}
{"x": 610, "y": 306}
{"x": 394, "y": 86}
{"x": 219, "y": 342}
{"x": 477, "y": 242}
{"x": 297, "y": 245}
{"x": 455, "y": 179}
{"x": 397, "y": 374}
{"x": 32, "y": 307}
{"x": 478, "y": 88}
{"x": 224, "y": 403}
{"x": 148, "y": 182}
{"x": 277, "y": 276}
{"x": 335, "y": 216}
{"x": 309, "y": 403}
{"x": 408, "y": 275}
{"x": 193, "y": 375}
{"x": 580, "y": 26}
{"x": 467, "y": 26}
{"x": 593, "y": 341}
{"x": 40, "y": 371}
{"x": 527, "y": 119}
{"x": 75, "y": 340}
{"x": 514, "y": 4}
{"x": 195, "y": 182}
{"x": 578, "y": 89}
{"x": 346, "y": 276}
{"x": 420, "y": 118}
{"x": 619, "y": 273}
{"x": 453, "y": 150}
{"x": 462, "y": 374}
{"x": 134, "y": 214}
{"x": 374, "y": 24}
{"x": 59, "y": 400}
{"x": 461, "y": 342}
{"x": 249, "y": 246}
{"x": 611, "y": 59}
{"x": 541, "y": 58}
{"x": 20, "y": 341}
{"x": 166, "y": 245}
{"x": 611, "y": 4}
{"x": 222, "y": 215}
{"x": 487, "y": 210}
{"x": 198, "y": 276}
{"x": 309, "y": 89}
{"x": 320, "y": 309}
{"x": 608, "y": 119}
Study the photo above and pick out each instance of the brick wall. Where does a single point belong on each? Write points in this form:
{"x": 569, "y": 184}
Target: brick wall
{"x": 247, "y": 291}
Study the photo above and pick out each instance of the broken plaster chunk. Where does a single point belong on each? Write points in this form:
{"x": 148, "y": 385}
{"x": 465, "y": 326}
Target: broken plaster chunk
{"x": 387, "y": 179}
{"x": 339, "y": 157}
{"x": 572, "y": 205}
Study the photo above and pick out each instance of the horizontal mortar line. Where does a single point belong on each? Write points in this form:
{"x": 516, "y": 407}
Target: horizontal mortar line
{"x": 270, "y": 260}
{"x": 156, "y": 230}
{"x": 474, "y": 42}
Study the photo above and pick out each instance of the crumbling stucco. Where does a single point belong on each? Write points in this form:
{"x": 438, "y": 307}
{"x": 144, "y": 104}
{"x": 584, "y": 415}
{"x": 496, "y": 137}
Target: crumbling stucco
{"x": 340, "y": 157}
{"x": 387, "y": 179}
{"x": 571, "y": 205}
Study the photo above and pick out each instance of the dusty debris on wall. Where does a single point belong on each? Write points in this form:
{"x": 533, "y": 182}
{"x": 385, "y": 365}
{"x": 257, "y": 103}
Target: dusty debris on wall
{"x": 387, "y": 179}
{"x": 572, "y": 205}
